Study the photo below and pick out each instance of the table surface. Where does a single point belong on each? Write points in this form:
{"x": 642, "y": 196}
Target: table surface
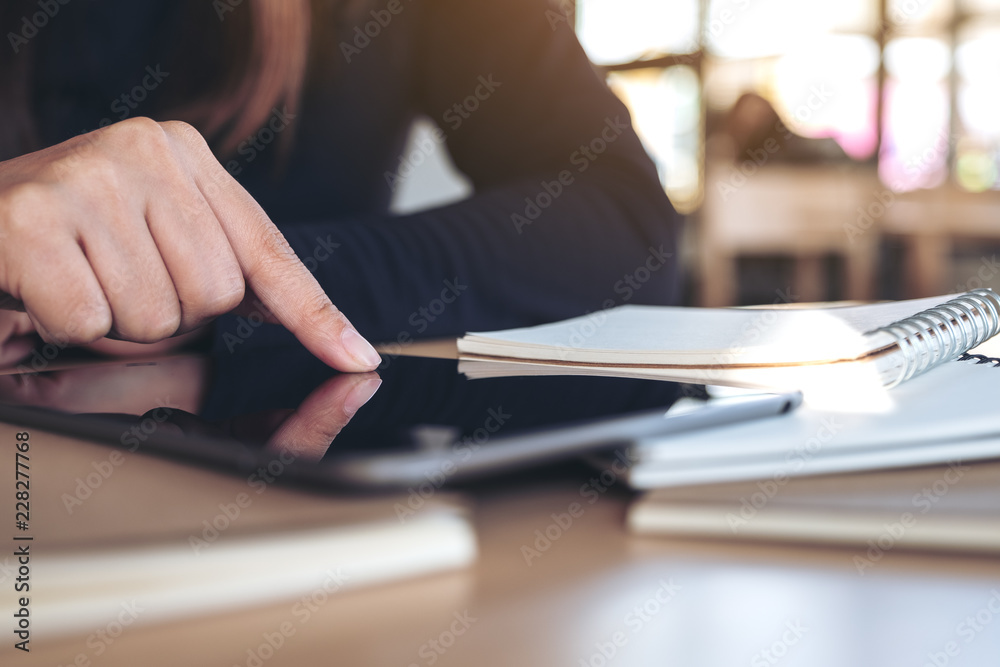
{"x": 597, "y": 590}
{"x": 550, "y": 590}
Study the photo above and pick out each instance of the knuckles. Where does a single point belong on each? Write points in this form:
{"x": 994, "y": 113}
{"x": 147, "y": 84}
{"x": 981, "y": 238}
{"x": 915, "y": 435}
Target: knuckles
{"x": 136, "y": 134}
{"x": 317, "y": 311}
{"x": 226, "y": 301}
{"x": 154, "y": 321}
{"x": 186, "y": 135}
{"x": 152, "y": 331}
{"x": 273, "y": 258}
{"x": 87, "y": 322}
{"x": 215, "y": 302}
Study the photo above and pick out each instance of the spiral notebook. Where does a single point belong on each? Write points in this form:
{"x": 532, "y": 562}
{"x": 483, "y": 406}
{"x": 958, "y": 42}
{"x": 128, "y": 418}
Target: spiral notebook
{"x": 879, "y": 344}
{"x": 946, "y": 414}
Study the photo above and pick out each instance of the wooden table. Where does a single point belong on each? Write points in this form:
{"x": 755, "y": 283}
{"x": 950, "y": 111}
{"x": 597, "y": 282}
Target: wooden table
{"x": 553, "y": 589}
{"x": 595, "y": 591}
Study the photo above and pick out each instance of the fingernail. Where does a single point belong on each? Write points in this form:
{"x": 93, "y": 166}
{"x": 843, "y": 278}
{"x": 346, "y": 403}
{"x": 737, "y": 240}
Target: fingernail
{"x": 360, "y": 395}
{"x": 359, "y": 348}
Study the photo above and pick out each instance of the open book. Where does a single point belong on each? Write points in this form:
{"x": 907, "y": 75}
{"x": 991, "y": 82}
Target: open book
{"x": 881, "y": 344}
{"x": 111, "y": 532}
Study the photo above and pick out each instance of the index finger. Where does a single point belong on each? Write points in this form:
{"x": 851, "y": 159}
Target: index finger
{"x": 272, "y": 270}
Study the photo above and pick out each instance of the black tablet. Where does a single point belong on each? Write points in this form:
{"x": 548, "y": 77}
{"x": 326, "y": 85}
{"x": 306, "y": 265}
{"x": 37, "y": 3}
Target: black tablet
{"x": 278, "y": 415}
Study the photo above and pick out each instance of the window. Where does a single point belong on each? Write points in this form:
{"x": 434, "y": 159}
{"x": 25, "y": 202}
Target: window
{"x": 909, "y": 86}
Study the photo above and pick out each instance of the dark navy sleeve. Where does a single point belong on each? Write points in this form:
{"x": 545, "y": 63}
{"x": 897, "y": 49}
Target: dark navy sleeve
{"x": 568, "y": 214}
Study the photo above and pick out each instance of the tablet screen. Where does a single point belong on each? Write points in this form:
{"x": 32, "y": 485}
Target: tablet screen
{"x": 234, "y": 410}
{"x": 419, "y": 397}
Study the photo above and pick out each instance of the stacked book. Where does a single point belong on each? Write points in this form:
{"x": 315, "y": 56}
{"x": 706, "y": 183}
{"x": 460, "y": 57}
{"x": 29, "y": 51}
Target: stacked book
{"x": 811, "y": 474}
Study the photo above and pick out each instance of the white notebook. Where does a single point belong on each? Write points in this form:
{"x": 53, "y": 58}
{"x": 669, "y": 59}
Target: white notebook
{"x": 948, "y": 413}
{"x": 776, "y": 348}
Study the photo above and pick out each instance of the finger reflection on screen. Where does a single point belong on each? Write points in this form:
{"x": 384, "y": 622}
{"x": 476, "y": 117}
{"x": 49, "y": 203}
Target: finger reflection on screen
{"x": 310, "y": 429}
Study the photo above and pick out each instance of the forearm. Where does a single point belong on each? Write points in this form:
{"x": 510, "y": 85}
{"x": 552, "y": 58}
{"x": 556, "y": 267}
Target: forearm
{"x": 538, "y": 250}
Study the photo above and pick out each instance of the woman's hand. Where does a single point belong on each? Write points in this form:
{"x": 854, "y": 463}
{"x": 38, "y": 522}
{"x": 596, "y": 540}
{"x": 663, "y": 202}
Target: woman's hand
{"x": 135, "y": 231}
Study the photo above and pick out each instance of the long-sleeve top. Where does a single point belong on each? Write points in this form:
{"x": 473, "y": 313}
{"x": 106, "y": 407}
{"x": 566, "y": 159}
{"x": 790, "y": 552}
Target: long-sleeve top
{"x": 567, "y": 215}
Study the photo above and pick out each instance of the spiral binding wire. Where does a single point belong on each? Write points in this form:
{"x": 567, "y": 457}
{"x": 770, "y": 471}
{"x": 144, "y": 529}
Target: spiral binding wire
{"x": 980, "y": 359}
{"x": 944, "y": 332}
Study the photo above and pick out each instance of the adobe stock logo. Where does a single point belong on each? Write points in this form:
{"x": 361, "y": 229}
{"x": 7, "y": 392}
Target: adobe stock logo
{"x": 363, "y": 35}
{"x": 454, "y": 117}
{"x": 582, "y": 158}
{"x": 32, "y": 23}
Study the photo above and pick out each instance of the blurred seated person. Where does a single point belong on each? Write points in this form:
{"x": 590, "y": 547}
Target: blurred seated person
{"x": 752, "y": 124}
{"x": 168, "y": 161}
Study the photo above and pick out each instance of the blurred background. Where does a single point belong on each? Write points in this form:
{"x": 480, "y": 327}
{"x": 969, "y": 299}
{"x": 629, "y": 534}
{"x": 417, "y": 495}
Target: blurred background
{"x": 821, "y": 150}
